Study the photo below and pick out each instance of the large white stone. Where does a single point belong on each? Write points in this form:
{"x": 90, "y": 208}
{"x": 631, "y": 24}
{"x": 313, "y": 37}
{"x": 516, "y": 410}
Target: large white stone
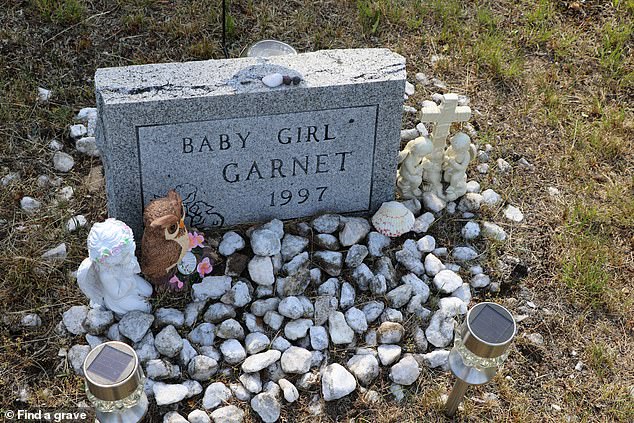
{"x": 337, "y": 382}
{"x": 447, "y": 281}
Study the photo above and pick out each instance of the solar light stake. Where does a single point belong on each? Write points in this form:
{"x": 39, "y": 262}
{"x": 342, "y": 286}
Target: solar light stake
{"x": 114, "y": 383}
{"x": 480, "y": 347}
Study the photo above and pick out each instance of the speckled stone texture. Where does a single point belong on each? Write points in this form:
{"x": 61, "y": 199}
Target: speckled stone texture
{"x": 238, "y": 151}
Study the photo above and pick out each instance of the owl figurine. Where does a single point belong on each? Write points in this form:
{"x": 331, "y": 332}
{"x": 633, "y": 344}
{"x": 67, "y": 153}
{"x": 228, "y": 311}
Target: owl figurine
{"x": 165, "y": 238}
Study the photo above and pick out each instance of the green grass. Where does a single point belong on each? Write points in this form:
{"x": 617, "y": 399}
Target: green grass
{"x": 614, "y": 52}
{"x": 63, "y": 12}
{"x": 600, "y": 359}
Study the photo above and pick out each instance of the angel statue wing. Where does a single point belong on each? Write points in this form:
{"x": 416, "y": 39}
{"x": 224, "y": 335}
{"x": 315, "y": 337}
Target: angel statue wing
{"x": 89, "y": 283}
{"x": 473, "y": 151}
{"x": 402, "y": 155}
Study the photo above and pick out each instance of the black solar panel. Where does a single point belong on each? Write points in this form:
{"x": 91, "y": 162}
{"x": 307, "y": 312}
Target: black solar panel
{"x": 110, "y": 363}
{"x": 492, "y": 324}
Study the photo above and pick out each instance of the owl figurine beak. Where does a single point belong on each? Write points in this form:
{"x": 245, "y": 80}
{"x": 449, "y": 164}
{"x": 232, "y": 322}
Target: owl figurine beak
{"x": 182, "y": 224}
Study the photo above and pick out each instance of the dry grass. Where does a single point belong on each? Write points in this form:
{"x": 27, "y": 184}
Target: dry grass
{"x": 553, "y": 81}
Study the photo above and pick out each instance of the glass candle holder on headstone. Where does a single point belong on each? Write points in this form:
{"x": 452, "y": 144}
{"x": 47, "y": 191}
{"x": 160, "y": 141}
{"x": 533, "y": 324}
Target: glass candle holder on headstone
{"x": 480, "y": 347}
{"x": 267, "y": 48}
{"x": 114, "y": 383}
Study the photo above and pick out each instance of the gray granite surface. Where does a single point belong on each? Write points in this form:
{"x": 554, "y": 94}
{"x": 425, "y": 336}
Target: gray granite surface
{"x": 240, "y": 152}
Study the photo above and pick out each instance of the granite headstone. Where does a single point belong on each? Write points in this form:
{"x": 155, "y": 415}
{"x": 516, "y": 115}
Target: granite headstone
{"x": 238, "y": 151}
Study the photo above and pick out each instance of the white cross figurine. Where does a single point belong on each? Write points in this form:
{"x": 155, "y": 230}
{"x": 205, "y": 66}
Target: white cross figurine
{"x": 442, "y": 116}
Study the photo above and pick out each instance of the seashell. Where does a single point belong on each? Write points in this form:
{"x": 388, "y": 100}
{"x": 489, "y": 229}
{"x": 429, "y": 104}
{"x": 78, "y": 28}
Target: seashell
{"x": 273, "y": 80}
{"x": 393, "y": 219}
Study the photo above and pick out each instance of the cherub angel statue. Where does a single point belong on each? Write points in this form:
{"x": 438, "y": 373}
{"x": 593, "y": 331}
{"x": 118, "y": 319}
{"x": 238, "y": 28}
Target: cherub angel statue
{"x": 457, "y": 158}
{"x": 109, "y": 276}
{"x": 413, "y": 162}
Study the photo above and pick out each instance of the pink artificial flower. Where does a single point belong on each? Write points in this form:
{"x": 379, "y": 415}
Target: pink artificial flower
{"x": 204, "y": 267}
{"x": 176, "y": 283}
{"x": 195, "y": 240}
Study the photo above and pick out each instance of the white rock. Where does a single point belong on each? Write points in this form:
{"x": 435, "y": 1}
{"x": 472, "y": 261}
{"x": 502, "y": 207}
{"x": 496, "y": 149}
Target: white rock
{"x": 433, "y": 265}
{"x": 261, "y": 270}
{"x": 337, "y": 382}
{"x": 447, "y": 281}
{"x": 390, "y": 333}
{"x": 356, "y": 320}
{"x": 297, "y": 328}
{"x": 203, "y": 334}
{"x": 174, "y": 417}
{"x": 513, "y": 213}
{"x": 216, "y": 394}
{"x": 348, "y": 296}
{"x": 56, "y": 254}
{"x": 418, "y": 286}
{"x": 409, "y": 88}
{"x": 354, "y": 230}
{"x": 483, "y": 168}
{"x": 452, "y": 306}
{"x": 265, "y": 242}
{"x": 291, "y": 307}
{"x": 230, "y": 329}
{"x": 231, "y": 242}
{"x": 273, "y": 80}
{"x": 473, "y": 186}
{"x": 399, "y": 296}
{"x": 492, "y": 231}
{"x": 77, "y": 131}
{"x": 88, "y": 146}
{"x": 30, "y": 204}
{"x": 260, "y": 361}
{"x": 318, "y": 338}
{"x": 256, "y": 342}
{"x": 553, "y": 192}
{"x": 470, "y": 202}
{"x": 464, "y": 253}
{"x": 426, "y": 244}
{"x": 199, "y": 416}
{"x": 238, "y": 296}
{"x": 480, "y": 281}
{"x": 65, "y": 193}
{"x": 43, "y": 95}
{"x": 373, "y": 310}
{"x": 232, "y": 351}
{"x": 470, "y": 231}
{"x": 135, "y": 324}
{"x": 377, "y": 242}
{"x": 296, "y": 360}
{"x": 31, "y": 320}
{"x": 76, "y": 222}
{"x": 405, "y": 372}
{"x": 9, "y": 178}
{"x": 464, "y": 293}
{"x": 169, "y": 394}
{"x": 290, "y": 391}
{"x": 364, "y": 367}
{"x": 55, "y": 145}
{"x": 211, "y": 287}
{"x": 433, "y": 203}
{"x": 503, "y": 165}
{"x": 423, "y": 222}
{"x": 388, "y": 354}
{"x": 491, "y": 198}
{"x": 168, "y": 342}
{"x": 439, "y": 333}
{"x": 63, "y": 162}
{"x": 267, "y": 406}
{"x": 340, "y": 332}
{"x": 409, "y": 109}
{"x": 252, "y": 382}
{"x": 76, "y": 356}
{"x": 293, "y": 245}
{"x": 437, "y": 358}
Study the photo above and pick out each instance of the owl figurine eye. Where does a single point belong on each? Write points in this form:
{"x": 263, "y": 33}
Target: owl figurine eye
{"x": 172, "y": 229}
